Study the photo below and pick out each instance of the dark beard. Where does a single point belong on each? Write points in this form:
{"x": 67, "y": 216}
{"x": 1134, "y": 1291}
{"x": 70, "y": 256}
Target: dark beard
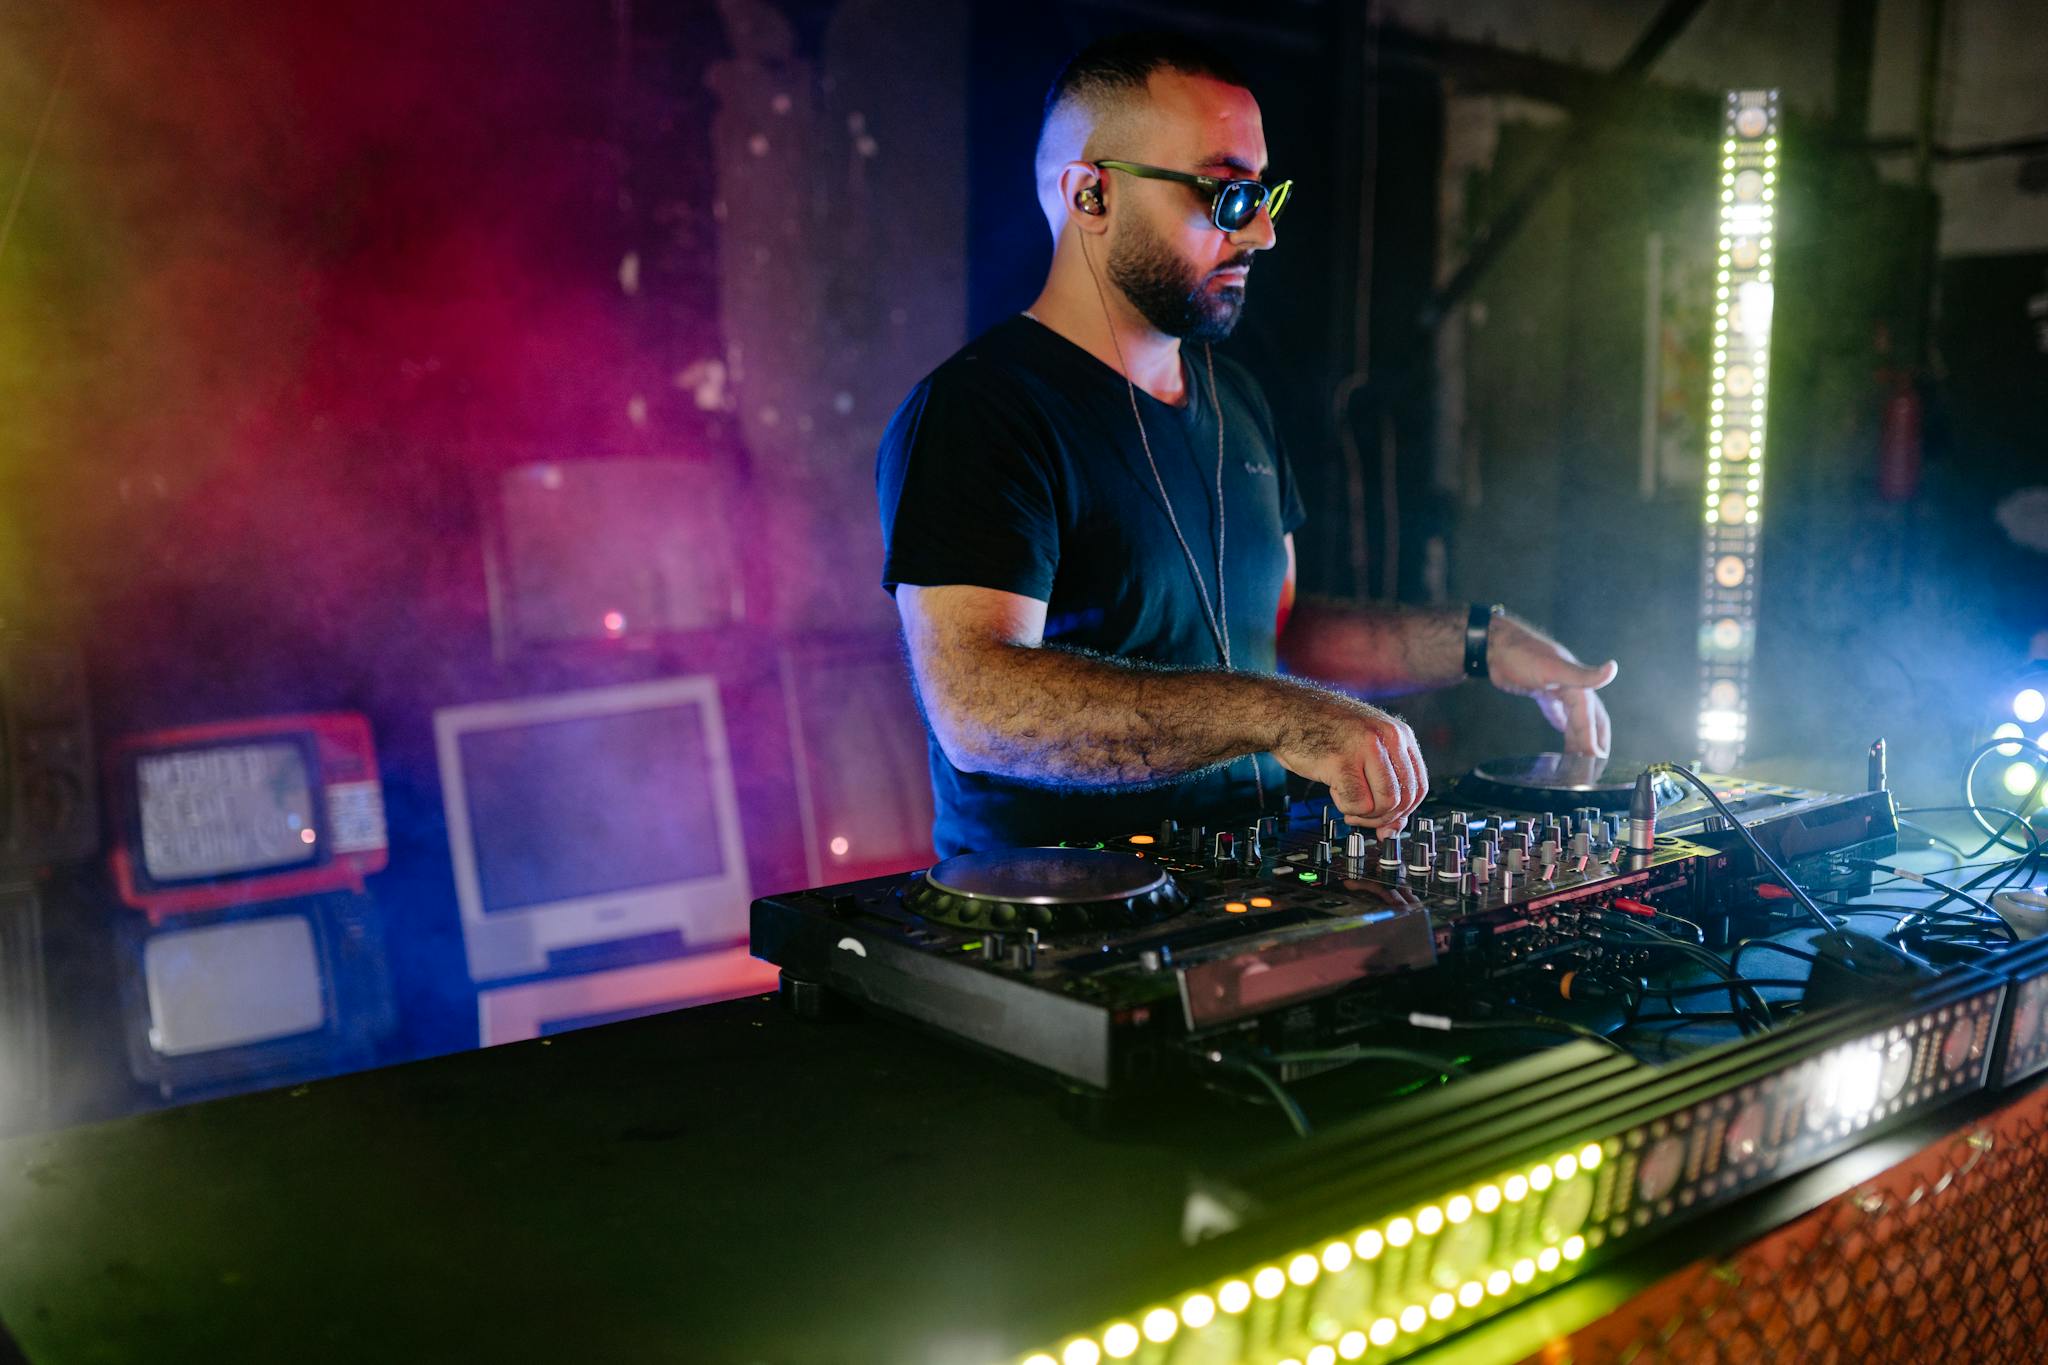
{"x": 1162, "y": 287}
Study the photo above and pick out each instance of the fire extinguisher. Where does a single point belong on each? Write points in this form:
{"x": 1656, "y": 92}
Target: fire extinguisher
{"x": 1899, "y": 435}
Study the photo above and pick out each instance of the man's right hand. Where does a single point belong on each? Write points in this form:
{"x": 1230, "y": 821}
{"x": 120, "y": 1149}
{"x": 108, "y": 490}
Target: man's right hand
{"x": 1367, "y": 757}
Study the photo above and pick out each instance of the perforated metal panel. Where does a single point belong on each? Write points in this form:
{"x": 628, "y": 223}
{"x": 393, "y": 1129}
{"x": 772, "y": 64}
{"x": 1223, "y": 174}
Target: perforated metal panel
{"x": 1940, "y": 1258}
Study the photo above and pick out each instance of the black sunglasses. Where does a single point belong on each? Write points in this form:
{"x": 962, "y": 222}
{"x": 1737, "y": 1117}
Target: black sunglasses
{"x": 1235, "y": 202}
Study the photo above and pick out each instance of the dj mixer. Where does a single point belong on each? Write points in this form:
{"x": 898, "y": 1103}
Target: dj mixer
{"x": 1109, "y": 963}
{"x": 1122, "y": 965}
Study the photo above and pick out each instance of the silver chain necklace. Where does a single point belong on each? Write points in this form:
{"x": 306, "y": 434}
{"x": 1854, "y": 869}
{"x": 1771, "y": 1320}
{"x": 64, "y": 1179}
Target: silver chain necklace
{"x": 1218, "y": 616}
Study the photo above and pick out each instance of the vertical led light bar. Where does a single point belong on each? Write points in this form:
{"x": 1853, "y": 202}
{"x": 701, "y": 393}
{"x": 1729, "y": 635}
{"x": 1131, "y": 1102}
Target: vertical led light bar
{"x": 1735, "y": 423}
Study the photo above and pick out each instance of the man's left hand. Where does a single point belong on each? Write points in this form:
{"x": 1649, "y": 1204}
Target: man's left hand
{"x": 1522, "y": 660}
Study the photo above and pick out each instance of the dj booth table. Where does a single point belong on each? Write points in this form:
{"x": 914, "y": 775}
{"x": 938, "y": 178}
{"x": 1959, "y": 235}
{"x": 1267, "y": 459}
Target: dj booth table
{"x": 734, "y": 1184}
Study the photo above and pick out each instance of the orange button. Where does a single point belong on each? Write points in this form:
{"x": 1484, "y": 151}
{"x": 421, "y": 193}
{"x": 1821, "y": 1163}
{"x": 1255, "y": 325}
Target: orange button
{"x": 1236, "y": 907}
{"x": 1263, "y": 902}
{"x": 1143, "y": 839}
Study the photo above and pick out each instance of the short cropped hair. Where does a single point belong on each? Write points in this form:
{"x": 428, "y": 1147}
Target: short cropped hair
{"x": 1108, "y": 78}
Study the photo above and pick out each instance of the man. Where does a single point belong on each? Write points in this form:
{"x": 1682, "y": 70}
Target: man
{"x": 1089, "y": 524}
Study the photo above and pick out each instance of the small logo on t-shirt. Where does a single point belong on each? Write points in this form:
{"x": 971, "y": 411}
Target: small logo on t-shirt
{"x": 1259, "y": 467}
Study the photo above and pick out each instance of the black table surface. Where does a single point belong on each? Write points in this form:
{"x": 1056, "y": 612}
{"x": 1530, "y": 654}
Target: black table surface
{"x": 727, "y": 1183}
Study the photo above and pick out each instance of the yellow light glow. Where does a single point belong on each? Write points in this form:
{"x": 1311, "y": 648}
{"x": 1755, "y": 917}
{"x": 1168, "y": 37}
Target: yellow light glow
{"x": 1351, "y": 1345}
{"x": 1120, "y": 1341}
{"x": 1470, "y": 1293}
{"x": 1380, "y": 1333}
{"x": 1400, "y": 1232}
{"x": 1040, "y": 1359}
{"x": 1234, "y": 1297}
{"x": 1566, "y": 1166}
{"x": 1320, "y": 1355}
{"x": 1081, "y": 1351}
{"x": 1198, "y": 1310}
{"x": 1574, "y": 1247}
{"x": 1303, "y": 1269}
{"x": 1368, "y": 1244}
{"x": 1336, "y": 1256}
{"x": 1523, "y": 1271}
{"x": 1268, "y": 1283}
{"x": 1488, "y": 1198}
{"x": 2020, "y": 779}
{"x": 1412, "y": 1318}
{"x": 1517, "y": 1189}
{"x": 1430, "y": 1221}
{"x": 1540, "y": 1178}
{"x": 1547, "y": 1259}
{"x": 1497, "y": 1283}
{"x": 1458, "y": 1208}
{"x": 1161, "y": 1324}
{"x": 1590, "y": 1156}
{"x": 1442, "y": 1306}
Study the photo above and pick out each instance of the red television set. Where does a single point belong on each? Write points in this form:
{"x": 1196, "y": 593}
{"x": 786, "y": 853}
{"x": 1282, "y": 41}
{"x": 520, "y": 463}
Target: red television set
{"x": 208, "y": 817}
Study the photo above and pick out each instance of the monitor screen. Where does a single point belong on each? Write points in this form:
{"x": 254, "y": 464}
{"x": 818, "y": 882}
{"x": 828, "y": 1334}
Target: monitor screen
{"x": 232, "y": 984}
{"x": 226, "y": 809}
{"x": 591, "y": 805}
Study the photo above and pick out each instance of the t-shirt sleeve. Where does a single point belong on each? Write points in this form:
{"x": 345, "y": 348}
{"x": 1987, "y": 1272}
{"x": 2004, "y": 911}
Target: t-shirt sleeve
{"x": 966, "y": 492}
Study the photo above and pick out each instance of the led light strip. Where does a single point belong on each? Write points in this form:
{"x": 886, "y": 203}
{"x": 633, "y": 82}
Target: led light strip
{"x": 1743, "y": 296}
{"x": 1339, "y": 1277}
{"x": 1381, "y": 1290}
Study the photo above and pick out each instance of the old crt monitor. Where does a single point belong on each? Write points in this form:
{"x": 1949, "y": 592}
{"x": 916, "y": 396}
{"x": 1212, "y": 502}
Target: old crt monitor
{"x": 213, "y": 816}
{"x": 588, "y": 822}
{"x": 257, "y": 995}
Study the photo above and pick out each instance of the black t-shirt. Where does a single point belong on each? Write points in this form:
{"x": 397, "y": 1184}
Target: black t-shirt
{"x": 1016, "y": 465}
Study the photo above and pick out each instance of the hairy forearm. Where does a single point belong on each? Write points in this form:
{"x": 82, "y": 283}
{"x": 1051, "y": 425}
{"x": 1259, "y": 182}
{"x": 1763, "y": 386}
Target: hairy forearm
{"x": 1374, "y": 650}
{"x": 1060, "y": 716}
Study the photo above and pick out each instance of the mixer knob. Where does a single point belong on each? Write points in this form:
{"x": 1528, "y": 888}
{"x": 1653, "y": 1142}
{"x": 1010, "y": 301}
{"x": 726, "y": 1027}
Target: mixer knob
{"x": 1582, "y": 844}
{"x": 1518, "y": 840}
{"x": 1269, "y": 826}
{"x": 1167, "y": 829}
{"x": 1421, "y": 858}
{"x": 1547, "y": 851}
{"x": 1197, "y": 839}
{"x": 1459, "y": 817}
{"x": 1517, "y": 859}
{"x": 1248, "y": 845}
{"x": 1450, "y": 867}
{"x": 1390, "y": 851}
{"x": 1355, "y": 845}
{"x": 1610, "y": 828}
{"x": 1325, "y": 852}
{"x": 1425, "y": 825}
{"x": 1225, "y": 848}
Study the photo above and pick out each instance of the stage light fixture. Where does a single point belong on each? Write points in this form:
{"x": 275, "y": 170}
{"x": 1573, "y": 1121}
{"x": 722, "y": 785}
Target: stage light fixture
{"x": 1744, "y": 298}
{"x": 1408, "y": 1278}
{"x": 2029, "y": 705}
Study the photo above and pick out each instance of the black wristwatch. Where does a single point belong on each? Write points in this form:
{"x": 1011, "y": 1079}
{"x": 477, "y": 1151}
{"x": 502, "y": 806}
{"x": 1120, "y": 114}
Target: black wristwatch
{"x": 1477, "y": 620}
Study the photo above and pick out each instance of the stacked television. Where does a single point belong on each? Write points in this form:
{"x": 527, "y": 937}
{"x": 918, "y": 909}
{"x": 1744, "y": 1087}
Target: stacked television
{"x": 253, "y": 953}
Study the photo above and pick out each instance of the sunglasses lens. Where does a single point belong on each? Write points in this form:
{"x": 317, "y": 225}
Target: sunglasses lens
{"x": 1239, "y": 204}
